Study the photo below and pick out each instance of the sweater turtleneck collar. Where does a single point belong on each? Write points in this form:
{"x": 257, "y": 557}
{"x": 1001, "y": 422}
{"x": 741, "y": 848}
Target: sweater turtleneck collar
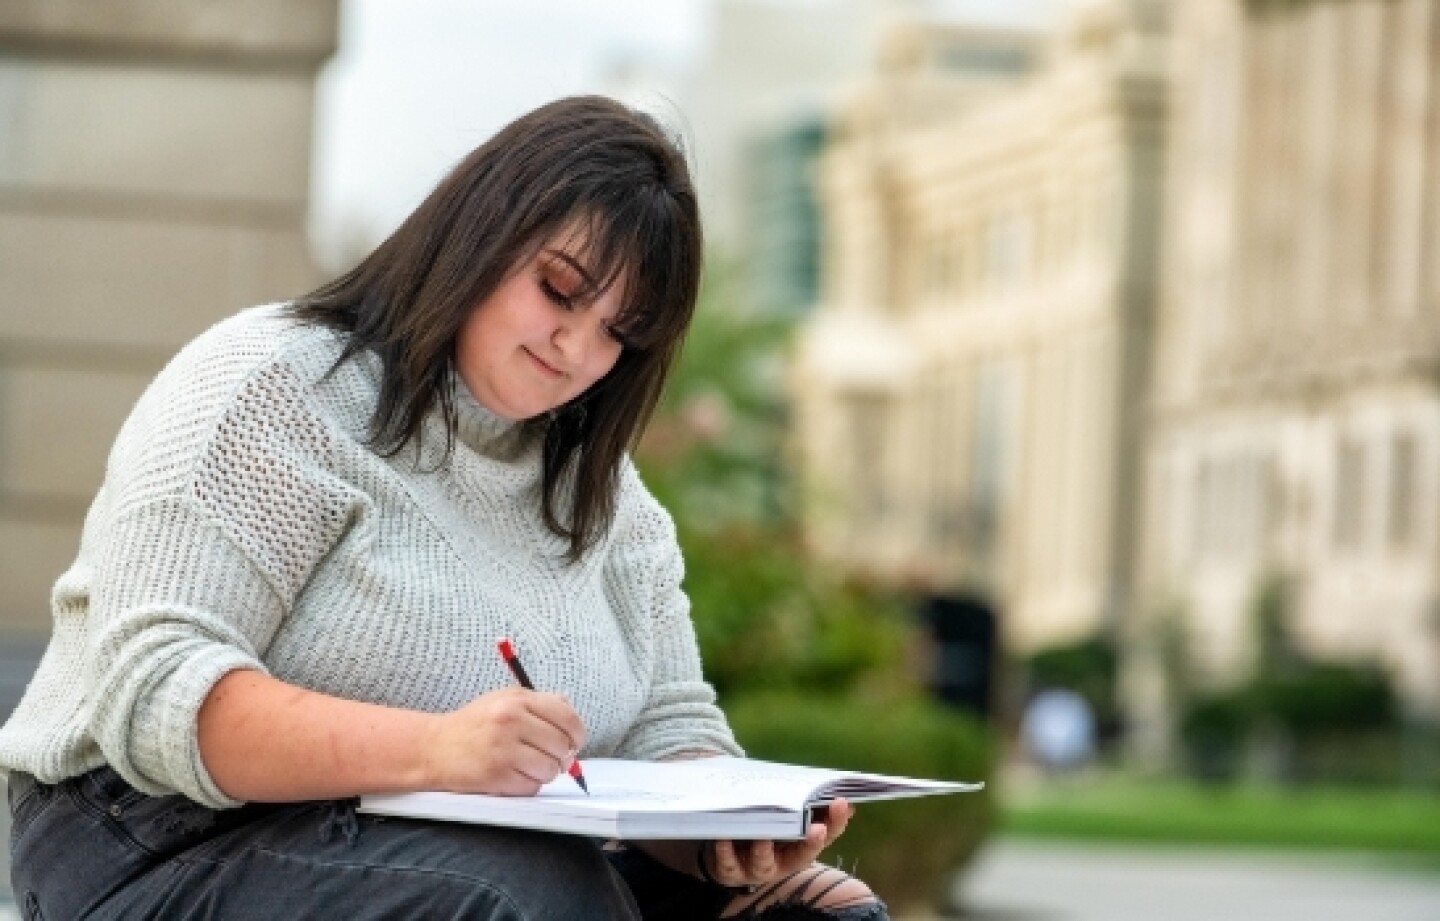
{"x": 479, "y": 428}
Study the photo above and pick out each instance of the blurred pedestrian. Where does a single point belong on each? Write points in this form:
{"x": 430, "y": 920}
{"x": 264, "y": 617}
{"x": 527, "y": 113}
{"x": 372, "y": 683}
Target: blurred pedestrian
{"x": 1058, "y": 730}
{"x": 315, "y": 524}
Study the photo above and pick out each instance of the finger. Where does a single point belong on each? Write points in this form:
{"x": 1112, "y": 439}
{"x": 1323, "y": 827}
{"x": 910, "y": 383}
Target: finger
{"x": 795, "y": 855}
{"x": 837, "y": 818}
{"x": 510, "y": 776}
{"x": 535, "y": 763}
{"x": 547, "y": 738}
{"x": 762, "y": 864}
{"x": 728, "y": 871}
{"x": 556, "y": 711}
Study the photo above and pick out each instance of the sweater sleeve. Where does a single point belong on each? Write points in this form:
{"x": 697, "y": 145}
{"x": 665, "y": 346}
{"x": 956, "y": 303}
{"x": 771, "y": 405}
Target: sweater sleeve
{"x": 680, "y": 713}
{"x": 218, "y": 504}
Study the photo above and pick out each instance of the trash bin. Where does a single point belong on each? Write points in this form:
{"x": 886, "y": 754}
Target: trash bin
{"x": 962, "y": 634}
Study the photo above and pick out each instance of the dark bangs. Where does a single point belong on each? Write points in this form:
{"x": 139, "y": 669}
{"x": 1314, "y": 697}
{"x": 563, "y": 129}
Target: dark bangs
{"x": 632, "y": 226}
{"x": 637, "y": 239}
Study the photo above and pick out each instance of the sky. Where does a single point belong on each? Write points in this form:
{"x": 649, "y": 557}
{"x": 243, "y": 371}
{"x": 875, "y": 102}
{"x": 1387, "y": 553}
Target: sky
{"x": 418, "y": 83}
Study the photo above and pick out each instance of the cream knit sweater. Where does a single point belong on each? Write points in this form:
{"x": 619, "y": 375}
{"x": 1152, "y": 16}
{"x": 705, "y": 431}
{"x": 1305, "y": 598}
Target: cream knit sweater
{"x": 244, "y": 524}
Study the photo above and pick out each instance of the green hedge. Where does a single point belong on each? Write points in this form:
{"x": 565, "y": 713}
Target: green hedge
{"x": 1311, "y": 721}
{"x": 906, "y": 850}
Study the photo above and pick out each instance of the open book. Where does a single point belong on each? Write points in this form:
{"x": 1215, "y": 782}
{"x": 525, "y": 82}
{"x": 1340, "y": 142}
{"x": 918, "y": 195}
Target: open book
{"x": 736, "y": 798}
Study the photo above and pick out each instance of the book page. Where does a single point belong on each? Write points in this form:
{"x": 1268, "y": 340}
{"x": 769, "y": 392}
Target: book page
{"x": 709, "y": 784}
{"x": 715, "y": 784}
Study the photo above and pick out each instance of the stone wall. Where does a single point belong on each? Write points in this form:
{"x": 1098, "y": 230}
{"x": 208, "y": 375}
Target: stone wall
{"x": 154, "y": 178}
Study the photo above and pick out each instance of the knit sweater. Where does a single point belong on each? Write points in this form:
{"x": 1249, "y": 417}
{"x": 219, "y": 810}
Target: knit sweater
{"x": 244, "y": 523}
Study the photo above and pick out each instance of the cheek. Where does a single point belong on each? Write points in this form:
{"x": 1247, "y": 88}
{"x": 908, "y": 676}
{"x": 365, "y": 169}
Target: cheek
{"x": 467, "y": 342}
{"x": 605, "y": 360}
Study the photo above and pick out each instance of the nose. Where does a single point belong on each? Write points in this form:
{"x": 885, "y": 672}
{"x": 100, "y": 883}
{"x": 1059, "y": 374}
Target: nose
{"x": 577, "y": 333}
{"x": 569, "y": 341}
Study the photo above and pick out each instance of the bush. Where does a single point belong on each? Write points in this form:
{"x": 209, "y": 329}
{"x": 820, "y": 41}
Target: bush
{"x": 1214, "y": 733}
{"x": 907, "y": 851}
{"x": 1322, "y": 698}
{"x": 1298, "y": 718}
{"x": 1307, "y": 721}
{"x": 1335, "y": 723}
{"x": 768, "y": 619}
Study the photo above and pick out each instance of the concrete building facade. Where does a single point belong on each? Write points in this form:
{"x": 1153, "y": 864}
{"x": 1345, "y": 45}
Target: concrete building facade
{"x": 968, "y": 390}
{"x": 154, "y": 176}
{"x": 1296, "y": 415}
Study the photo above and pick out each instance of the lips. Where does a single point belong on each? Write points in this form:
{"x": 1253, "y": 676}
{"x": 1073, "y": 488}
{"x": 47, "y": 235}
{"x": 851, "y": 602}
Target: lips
{"x": 547, "y": 368}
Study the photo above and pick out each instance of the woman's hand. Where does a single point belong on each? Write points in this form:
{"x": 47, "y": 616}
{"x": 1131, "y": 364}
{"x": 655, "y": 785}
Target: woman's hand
{"x": 742, "y": 864}
{"x": 508, "y": 742}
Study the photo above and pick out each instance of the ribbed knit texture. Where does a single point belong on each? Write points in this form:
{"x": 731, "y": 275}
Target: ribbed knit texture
{"x": 243, "y": 523}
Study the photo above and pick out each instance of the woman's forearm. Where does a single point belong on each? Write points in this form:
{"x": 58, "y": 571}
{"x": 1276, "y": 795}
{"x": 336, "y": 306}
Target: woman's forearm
{"x": 268, "y": 741}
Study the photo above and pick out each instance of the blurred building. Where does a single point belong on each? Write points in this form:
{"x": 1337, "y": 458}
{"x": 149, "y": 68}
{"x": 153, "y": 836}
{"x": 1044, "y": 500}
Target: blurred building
{"x": 1296, "y": 423}
{"x": 783, "y": 245}
{"x": 154, "y": 171}
{"x": 765, "y": 67}
{"x": 760, "y": 102}
{"x": 968, "y": 390}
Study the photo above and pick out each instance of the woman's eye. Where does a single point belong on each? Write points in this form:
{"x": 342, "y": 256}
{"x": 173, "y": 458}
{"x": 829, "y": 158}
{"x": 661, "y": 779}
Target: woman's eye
{"x": 556, "y": 295}
{"x": 617, "y": 336}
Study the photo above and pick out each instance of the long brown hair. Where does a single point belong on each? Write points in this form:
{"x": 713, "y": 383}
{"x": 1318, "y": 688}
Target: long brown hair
{"x": 586, "y": 163}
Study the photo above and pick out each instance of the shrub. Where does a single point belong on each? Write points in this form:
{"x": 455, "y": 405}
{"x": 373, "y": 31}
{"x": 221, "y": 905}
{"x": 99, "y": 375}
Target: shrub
{"x": 1215, "y": 730}
{"x": 1298, "y": 718}
{"x": 1323, "y": 697}
{"x": 907, "y": 851}
{"x": 1310, "y": 721}
{"x": 768, "y": 619}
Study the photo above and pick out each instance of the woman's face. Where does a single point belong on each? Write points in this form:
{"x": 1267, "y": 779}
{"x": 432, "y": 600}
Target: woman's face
{"x": 538, "y": 340}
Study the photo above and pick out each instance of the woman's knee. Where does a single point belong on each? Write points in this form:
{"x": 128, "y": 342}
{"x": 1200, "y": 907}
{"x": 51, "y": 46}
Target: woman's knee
{"x": 543, "y": 875}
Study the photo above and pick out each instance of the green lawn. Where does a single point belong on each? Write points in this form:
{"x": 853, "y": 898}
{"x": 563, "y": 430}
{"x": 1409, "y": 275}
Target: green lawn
{"x": 1399, "y": 823}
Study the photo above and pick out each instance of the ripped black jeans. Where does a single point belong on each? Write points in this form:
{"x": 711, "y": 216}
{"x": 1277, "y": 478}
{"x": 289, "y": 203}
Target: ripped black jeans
{"x": 93, "y": 847}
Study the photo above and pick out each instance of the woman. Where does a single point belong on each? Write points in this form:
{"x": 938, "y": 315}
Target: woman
{"x": 314, "y": 526}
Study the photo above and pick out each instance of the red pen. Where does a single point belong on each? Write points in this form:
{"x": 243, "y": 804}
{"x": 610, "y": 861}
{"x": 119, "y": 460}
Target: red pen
{"x": 512, "y": 660}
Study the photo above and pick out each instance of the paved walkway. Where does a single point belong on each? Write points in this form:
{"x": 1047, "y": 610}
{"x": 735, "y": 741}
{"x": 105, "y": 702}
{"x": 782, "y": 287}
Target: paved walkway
{"x": 1023, "y": 881}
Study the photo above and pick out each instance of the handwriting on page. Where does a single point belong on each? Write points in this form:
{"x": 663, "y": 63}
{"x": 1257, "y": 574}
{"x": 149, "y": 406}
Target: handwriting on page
{"x": 606, "y": 793}
{"x": 733, "y": 778}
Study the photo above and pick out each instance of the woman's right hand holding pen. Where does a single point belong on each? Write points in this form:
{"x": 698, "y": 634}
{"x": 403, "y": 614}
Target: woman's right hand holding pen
{"x": 507, "y": 742}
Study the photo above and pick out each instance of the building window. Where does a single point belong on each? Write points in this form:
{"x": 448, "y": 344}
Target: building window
{"x": 1349, "y": 494}
{"x": 868, "y": 439}
{"x": 935, "y": 266}
{"x": 988, "y": 461}
{"x": 1007, "y": 250}
{"x": 974, "y": 59}
{"x": 955, "y": 263}
{"x": 1403, "y": 468}
{"x": 1232, "y": 511}
{"x": 1207, "y": 520}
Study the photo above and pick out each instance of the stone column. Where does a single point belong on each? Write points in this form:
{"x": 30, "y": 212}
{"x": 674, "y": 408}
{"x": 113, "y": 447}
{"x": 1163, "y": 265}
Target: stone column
{"x": 154, "y": 177}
